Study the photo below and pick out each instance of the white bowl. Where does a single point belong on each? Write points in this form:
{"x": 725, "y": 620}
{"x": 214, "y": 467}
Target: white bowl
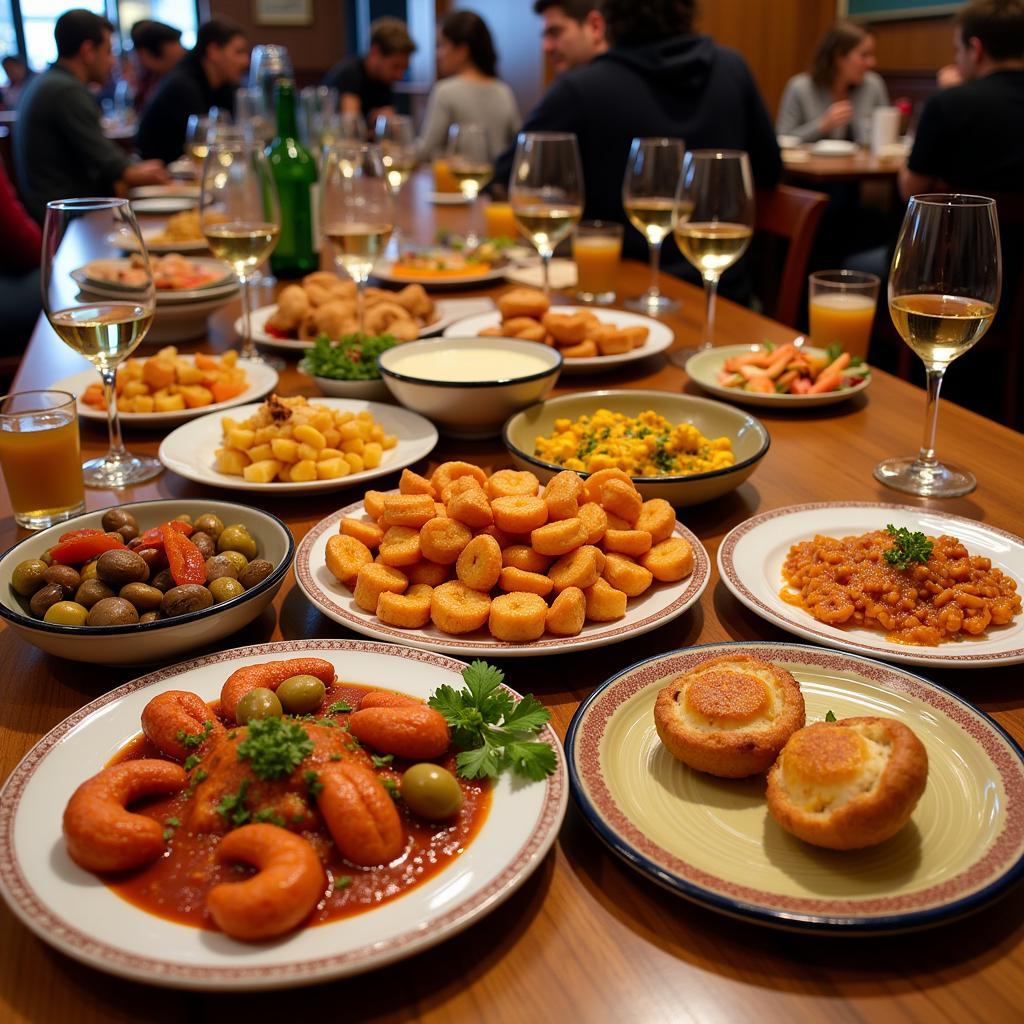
{"x": 166, "y": 638}
{"x": 368, "y": 390}
{"x": 469, "y": 409}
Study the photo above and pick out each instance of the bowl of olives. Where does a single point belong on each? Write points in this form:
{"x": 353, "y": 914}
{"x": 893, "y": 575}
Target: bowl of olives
{"x": 145, "y": 581}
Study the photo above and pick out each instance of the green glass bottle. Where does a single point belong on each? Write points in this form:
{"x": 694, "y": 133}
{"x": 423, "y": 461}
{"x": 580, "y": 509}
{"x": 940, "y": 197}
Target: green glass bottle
{"x": 294, "y": 171}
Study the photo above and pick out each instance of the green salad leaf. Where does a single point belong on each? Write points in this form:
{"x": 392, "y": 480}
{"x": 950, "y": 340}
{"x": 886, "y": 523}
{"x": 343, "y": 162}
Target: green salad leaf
{"x": 353, "y": 357}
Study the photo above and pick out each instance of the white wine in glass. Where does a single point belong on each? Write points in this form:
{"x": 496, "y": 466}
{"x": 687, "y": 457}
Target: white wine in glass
{"x": 469, "y": 158}
{"x": 105, "y": 331}
{"x": 357, "y": 210}
{"x": 397, "y": 139}
{"x": 944, "y": 288}
{"x": 546, "y": 190}
{"x": 239, "y": 215}
{"x": 714, "y": 223}
{"x": 648, "y": 197}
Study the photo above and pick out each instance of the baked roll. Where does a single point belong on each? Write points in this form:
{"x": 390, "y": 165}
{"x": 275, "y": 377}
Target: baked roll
{"x": 729, "y": 716}
{"x": 848, "y": 784}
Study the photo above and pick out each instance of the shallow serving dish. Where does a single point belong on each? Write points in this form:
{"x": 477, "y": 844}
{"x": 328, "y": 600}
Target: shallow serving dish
{"x": 749, "y": 438}
{"x": 374, "y": 390}
{"x": 166, "y": 638}
{"x": 469, "y": 408}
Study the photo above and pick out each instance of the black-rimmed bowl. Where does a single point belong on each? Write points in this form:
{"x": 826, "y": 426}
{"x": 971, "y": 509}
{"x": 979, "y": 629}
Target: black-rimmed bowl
{"x": 142, "y": 644}
{"x": 475, "y": 407}
{"x": 748, "y": 436}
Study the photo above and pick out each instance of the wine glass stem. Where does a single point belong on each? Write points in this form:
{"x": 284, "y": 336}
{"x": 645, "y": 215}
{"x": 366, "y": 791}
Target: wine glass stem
{"x": 247, "y": 343}
{"x": 545, "y": 259}
{"x": 710, "y": 293}
{"x": 361, "y": 305}
{"x": 655, "y": 252}
{"x": 109, "y": 377}
{"x": 931, "y": 425}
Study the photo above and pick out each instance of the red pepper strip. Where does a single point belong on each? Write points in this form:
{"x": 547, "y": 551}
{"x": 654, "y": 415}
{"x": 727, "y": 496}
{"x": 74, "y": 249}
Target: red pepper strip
{"x": 184, "y": 559}
{"x": 86, "y": 531}
{"x": 84, "y": 549}
{"x": 152, "y": 538}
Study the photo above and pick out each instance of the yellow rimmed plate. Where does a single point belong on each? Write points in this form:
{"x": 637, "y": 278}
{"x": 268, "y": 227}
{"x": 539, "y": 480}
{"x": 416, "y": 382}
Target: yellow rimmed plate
{"x": 713, "y": 841}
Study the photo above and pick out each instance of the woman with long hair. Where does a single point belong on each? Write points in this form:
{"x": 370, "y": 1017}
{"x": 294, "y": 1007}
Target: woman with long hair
{"x": 835, "y": 99}
{"x": 468, "y": 90}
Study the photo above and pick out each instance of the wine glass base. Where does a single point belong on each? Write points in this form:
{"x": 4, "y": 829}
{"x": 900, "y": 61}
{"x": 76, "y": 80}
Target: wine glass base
{"x": 927, "y": 479}
{"x": 261, "y": 357}
{"x": 111, "y": 472}
{"x": 680, "y": 356}
{"x": 652, "y": 305}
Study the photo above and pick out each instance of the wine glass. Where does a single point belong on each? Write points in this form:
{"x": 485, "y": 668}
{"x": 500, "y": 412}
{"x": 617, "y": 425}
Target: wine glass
{"x": 469, "y": 158}
{"x": 546, "y": 190}
{"x": 267, "y": 64}
{"x": 397, "y": 139}
{"x": 943, "y": 291}
{"x": 356, "y": 210}
{"x": 714, "y": 222}
{"x": 239, "y": 215}
{"x": 351, "y": 127}
{"x": 106, "y": 331}
{"x": 649, "y": 199}
{"x": 197, "y": 134}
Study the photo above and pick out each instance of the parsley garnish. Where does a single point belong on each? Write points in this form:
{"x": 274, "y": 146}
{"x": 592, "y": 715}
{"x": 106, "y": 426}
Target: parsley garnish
{"x": 172, "y": 824}
{"x": 343, "y": 881}
{"x": 907, "y": 547}
{"x": 339, "y": 707}
{"x": 191, "y": 740}
{"x": 392, "y": 787}
{"x": 829, "y": 716}
{"x": 232, "y": 805}
{"x": 352, "y": 357}
{"x": 327, "y": 723}
{"x": 274, "y": 748}
{"x": 269, "y": 816}
{"x": 191, "y": 761}
{"x": 316, "y": 787}
{"x": 334, "y": 757}
{"x": 380, "y": 762}
{"x": 493, "y": 730}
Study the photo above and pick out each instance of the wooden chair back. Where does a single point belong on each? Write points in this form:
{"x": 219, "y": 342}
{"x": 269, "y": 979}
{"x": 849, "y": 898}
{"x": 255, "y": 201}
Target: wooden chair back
{"x": 792, "y": 214}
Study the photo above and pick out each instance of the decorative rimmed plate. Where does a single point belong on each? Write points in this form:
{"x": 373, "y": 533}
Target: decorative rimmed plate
{"x": 150, "y": 236}
{"x": 448, "y": 312}
{"x": 713, "y": 841}
{"x": 659, "y": 336}
{"x": 223, "y": 283}
{"x": 262, "y": 380}
{"x": 656, "y": 607}
{"x": 703, "y": 369}
{"x": 751, "y": 556}
{"x": 189, "y": 450}
{"x": 74, "y": 912}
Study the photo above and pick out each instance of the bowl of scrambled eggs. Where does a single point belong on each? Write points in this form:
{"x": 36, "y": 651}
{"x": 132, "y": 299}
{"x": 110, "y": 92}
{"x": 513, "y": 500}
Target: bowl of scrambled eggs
{"x": 684, "y": 449}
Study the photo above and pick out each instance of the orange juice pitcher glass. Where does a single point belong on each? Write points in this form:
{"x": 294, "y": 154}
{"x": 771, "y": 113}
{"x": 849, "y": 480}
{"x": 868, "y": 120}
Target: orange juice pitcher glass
{"x": 841, "y": 307}
{"x": 597, "y": 250}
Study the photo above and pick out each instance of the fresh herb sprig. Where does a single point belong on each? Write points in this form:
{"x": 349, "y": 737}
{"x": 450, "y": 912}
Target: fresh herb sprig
{"x": 907, "y": 547}
{"x": 274, "y": 748}
{"x": 494, "y": 731}
{"x": 352, "y": 357}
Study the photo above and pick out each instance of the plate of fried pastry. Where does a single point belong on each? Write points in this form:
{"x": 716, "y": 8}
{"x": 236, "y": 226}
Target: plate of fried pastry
{"x": 801, "y": 788}
{"x": 590, "y": 342}
{"x": 888, "y": 581}
{"x": 325, "y": 304}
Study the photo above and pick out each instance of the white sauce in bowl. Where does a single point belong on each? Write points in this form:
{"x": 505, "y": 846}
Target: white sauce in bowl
{"x": 469, "y": 365}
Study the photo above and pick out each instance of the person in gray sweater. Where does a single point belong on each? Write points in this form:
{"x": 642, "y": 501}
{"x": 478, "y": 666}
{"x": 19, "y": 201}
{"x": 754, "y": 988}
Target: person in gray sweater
{"x": 836, "y": 98}
{"x": 469, "y": 91}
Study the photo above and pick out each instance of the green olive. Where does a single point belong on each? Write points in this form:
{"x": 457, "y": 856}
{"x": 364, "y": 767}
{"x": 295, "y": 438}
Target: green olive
{"x": 66, "y": 613}
{"x": 184, "y": 518}
{"x": 238, "y": 559}
{"x": 88, "y": 571}
{"x": 301, "y": 695}
{"x": 92, "y": 591}
{"x": 224, "y": 588}
{"x": 237, "y": 538}
{"x": 258, "y": 703}
{"x": 209, "y": 523}
{"x": 431, "y": 791}
{"x": 219, "y": 566}
{"x": 143, "y": 596}
{"x": 27, "y": 577}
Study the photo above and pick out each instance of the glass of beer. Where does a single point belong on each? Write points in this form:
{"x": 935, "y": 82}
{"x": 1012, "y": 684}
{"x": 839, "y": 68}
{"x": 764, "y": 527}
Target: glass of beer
{"x": 944, "y": 288}
{"x": 597, "y": 250}
{"x": 841, "y": 306}
{"x": 40, "y": 457}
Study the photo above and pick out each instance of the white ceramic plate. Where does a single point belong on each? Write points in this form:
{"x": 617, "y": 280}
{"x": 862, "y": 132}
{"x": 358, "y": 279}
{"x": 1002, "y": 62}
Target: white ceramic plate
{"x": 188, "y": 451}
{"x": 561, "y": 274}
{"x": 834, "y": 147}
{"x": 224, "y": 283}
{"x": 448, "y": 199}
{"x": 262, "y": 380}
{"x": 382, "y": 271}
{"x": 127, "y": 243}
{"x": 659, "y": 605}
{"x": 448, "y": 312}
{"x": 751, "y": 556}
{"x": 659, "y": 337}
{"x": 703, "y": 369}
{"x": 160, "y": 191}
{"x": 713, "y": 841}
{"x": 74, "y": 912}
{"x": 164, "y": 204}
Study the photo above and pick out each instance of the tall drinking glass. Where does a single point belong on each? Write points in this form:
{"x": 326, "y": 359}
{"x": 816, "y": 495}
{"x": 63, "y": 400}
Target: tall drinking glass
{"x": 714, "y": 222}
{"x": 268, "y": 63}
{"x": 649, "y": 199}
{"x": 239, "y": 215}
{"x": 356, "y": 210}
{"x": 546, "y": 190}
{"x": 944, "y": 288}
{"x": 106, "y": 331}
{"x": 841, "y": 309}
{"x": 397, "y": 139}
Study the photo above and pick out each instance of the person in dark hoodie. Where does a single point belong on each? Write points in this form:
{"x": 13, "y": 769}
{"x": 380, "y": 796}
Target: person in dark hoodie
{"x": 658, "y": 78}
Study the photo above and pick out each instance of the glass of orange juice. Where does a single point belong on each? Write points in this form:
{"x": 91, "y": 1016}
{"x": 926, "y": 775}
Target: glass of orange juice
{"x": 444, "y": 180}
{"x": 842, "y": 309}
{"x": 499, "y": 222}
{"x": 40, "y": 457}
{"x": 597, "y": 250}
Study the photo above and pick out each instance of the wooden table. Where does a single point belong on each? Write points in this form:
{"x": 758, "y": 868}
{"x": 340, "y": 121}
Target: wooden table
{"x": 801, "y": 165}
{"x": 586, "y": 939}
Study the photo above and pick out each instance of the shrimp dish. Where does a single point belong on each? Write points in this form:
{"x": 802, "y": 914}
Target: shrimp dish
{"x": 294, "y": 800}
{"x": 789, "y": 370}
{"x": 918, "y": 589}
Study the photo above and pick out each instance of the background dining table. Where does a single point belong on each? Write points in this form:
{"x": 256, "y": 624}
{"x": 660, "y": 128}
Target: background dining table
{"x": 802, "y": 165}
{"x": 585, "y": 938}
